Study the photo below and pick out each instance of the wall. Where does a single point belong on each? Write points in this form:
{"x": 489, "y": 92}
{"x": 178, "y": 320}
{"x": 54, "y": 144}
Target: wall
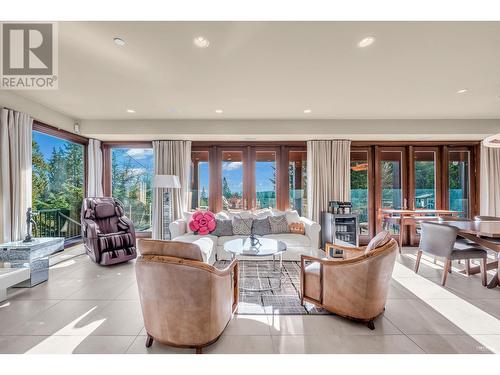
{"x": 39, "y": 112}
{"x": 271, "y": 130}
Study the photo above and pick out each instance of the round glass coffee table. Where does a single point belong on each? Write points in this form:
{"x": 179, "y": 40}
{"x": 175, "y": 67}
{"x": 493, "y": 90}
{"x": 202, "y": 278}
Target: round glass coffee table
{"x": 264, "y": 248}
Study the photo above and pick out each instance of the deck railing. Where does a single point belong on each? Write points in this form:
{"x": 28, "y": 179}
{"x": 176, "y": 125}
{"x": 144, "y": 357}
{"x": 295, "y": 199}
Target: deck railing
{"x": 56, "y": 223}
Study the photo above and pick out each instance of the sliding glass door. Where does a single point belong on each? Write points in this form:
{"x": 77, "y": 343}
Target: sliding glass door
{"x": 265, "y": 178}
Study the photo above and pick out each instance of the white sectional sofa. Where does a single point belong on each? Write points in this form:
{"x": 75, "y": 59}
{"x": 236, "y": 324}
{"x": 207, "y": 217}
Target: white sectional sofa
{"x": 297, "y": 244}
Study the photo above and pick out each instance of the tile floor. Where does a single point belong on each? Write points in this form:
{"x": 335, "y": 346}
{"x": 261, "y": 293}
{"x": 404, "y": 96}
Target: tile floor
{"x": 85, "y": 308}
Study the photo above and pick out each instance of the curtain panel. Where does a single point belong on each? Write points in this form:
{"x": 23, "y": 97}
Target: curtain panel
{"x": 94, "y": 162}
{"x": 15, "y": 173}
{"x": 173, "y": 158}
{"x": 490, "y": 181}
{"x": 328, "y": 174}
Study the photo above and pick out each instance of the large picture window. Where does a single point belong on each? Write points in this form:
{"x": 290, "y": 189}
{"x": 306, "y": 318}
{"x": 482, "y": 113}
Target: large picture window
{"x": 58, "y": 183}
{"x": 297, "y": 181}
{"x": 131, "y": 175}
{"x": 200, "y": 180}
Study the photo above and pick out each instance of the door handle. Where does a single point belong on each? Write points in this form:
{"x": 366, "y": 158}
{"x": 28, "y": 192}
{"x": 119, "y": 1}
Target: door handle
{"x": 405, "y": 204}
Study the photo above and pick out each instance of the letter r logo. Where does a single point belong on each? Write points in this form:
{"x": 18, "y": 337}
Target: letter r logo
{"x": 27, "y": 49}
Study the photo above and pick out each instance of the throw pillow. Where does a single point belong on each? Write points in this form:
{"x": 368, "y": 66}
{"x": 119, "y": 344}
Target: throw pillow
{"x": 261, "y": 227}
{"x": 223, "y": 228}
{"x": 379, "y": 240}
{"x": 297, "y": 228}
{"x": 292, "y": 216}
{"x": 222, "y": 215}
{"x": 278, "y": 224}
{"x": 202, "y": 222}
{"x": 242, "y": 227}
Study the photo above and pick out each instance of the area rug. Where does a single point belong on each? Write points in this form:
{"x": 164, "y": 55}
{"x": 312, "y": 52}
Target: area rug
{"x": 284, "y": 299}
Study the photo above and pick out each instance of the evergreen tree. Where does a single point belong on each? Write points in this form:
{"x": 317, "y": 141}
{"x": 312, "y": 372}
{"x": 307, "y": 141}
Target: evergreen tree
{"x": 40, "y": 179}
{"x": 226, "y": 191}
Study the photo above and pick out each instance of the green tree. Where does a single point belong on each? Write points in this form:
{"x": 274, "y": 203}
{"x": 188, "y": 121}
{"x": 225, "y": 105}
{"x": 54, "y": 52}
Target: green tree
{"x": 226, "y": 191}
{"x": 40, "y": 180}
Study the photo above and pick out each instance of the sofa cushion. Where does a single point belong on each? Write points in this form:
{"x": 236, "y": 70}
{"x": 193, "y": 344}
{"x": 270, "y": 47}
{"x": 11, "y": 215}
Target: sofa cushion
{"x": 187, "y": 218}
{"x": 291, "y": 239}
{"x": 261, "y": 227}
{"x": 292, "y": 216}
{"x": 223, "y": 228}
{"x": 191, "y": 237}
{"x": 278, "y": 224}
{"x": 380, "y": 239}
{"x": 223, "y": 239}
{"x": 241, "y": 226}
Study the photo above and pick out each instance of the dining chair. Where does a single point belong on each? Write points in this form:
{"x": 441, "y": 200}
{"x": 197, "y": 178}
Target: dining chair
{"x": 439, "y": 240}
{"x": 460, "y": 243}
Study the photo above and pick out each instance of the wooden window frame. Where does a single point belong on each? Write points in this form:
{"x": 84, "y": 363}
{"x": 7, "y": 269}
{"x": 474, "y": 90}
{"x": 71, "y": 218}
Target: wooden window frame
{"x": 249, "y": 149}
{"x": 56, "y": 132}
{"x": 107, "y": 166}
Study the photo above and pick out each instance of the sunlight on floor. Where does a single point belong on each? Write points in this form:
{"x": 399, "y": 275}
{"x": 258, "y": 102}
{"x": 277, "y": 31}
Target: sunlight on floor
{"x": 469, "y": 318}
{"x": 68, "y": 338}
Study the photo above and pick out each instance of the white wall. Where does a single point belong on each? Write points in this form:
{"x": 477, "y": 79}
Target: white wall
{"x": 39, "y": 112}
{"x": 256, "y": 130}
{"x": 209, "y": 130}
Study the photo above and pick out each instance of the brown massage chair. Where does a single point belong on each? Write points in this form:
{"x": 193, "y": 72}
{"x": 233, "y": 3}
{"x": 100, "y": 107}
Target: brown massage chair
{"x": 108, "y": 235}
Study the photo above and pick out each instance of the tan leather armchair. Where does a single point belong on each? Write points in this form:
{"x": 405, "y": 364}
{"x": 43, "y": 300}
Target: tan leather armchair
{"x": 355, "y": 287}
{"x": 185, "y": 301}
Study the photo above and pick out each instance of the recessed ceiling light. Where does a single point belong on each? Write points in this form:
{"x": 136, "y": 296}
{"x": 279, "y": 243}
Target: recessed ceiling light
{"x": 365, "y": 42}
{"x": 131, "y": 110}
{"x": 219, "y": 111}
{"x": 119, "y": 42}
{"x": 201, "y": 42}
{"x": 307, "y": 110}
{"x": 462, "y": 91}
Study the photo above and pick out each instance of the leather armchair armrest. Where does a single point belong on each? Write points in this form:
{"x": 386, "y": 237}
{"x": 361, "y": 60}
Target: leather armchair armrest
{"x": 348, "y": 248}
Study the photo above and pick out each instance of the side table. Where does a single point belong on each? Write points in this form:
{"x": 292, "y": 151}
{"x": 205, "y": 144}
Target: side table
{"x": 31, "y": 255}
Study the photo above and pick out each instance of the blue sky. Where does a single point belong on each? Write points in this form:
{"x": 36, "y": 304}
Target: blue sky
{"x": 47, "y": 143}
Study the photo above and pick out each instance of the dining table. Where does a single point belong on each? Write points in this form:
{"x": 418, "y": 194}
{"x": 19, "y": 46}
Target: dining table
{"x": 485, "y": 234}
{"x": 406, "y": 217}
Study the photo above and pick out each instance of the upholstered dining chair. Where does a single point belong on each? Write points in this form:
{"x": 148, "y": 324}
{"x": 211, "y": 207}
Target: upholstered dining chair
{"x": 439, "y": 240}
{"x": 355, "y": 287}
{"x": 185, "y": 301}
{"x": 460, "y": 243}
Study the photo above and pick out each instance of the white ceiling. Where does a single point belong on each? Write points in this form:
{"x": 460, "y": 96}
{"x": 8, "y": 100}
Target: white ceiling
{"x": 275, "y": 70}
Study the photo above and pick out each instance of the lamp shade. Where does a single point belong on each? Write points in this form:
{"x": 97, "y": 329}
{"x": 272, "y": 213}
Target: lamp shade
{"x": 166, "y": 181}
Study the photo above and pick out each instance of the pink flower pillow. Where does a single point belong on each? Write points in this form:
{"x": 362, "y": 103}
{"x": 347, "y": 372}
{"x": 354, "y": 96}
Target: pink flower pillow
{"x": 202, "y": 222}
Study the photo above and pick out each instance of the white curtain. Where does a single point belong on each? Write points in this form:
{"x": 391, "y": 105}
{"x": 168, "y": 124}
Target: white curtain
{"x": 328, "y": 174}
{"x": 173, "y": 158}
{"x": 94, "y": 177}
{"x": 15, "y": 173}
{"x": 490, "y": 181}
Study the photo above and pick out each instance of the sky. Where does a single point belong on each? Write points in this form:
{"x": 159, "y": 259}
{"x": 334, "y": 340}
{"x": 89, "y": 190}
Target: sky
{"x": 47, "y": 143}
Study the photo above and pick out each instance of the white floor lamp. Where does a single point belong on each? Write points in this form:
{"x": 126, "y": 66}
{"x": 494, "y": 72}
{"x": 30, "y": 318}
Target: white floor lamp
{"x": 166, "y": 182}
